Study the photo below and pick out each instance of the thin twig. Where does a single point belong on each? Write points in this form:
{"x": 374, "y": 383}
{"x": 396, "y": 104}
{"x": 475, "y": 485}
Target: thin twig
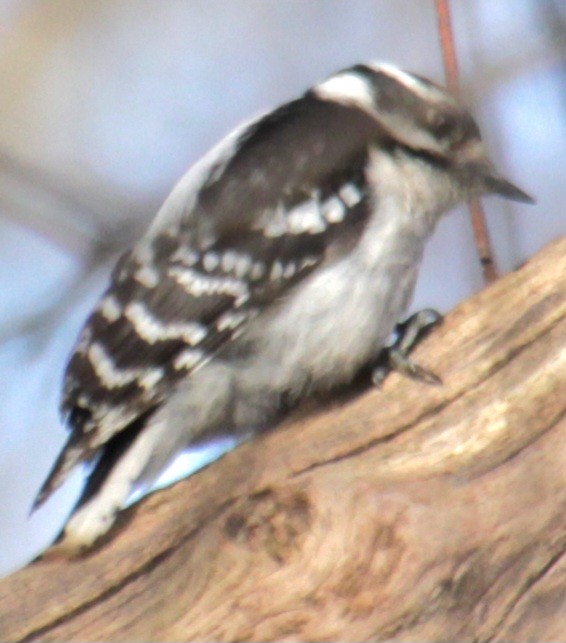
{"x": 477, "y": 216}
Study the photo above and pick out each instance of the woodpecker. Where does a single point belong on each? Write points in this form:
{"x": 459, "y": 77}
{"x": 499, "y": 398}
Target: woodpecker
{"x": 279, "y": 266}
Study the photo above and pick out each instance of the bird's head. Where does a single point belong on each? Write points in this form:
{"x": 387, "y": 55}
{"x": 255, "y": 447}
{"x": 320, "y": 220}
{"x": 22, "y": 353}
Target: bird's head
{"x": 425, "y": 120}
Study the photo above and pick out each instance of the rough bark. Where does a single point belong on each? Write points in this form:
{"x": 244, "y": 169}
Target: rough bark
{"x": 408, "y": 513}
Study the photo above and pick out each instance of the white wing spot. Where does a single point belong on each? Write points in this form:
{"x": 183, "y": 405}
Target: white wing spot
{"x": 306, "y": 218}
{"x": 147, "y": 276}
{"x": 231, "y": 320}
{"x": 110, "y": 308}
{"x": 350, "y": 194}
{"x": 83, "y": 401}
{"x": 257, "y": 271}
{"x": 188, "y": 359}
{"x": 307, "y": 262}
{"x": 289, "y": 270}
{"x": 106, "y": 370}
{"x": 152, "y": 330}
{"x": 276, "y": 228}
{"x": 334, "y": 210}
{"x": 229, "y": 259}
{"x": 241, "y": 300}
{"x": 243, "y": 265}
{"x": 276, "y": 270}
{"x": 150, "y": 379}
{"x": 197, "y": 285}
{"x": 186, "y": 256}
{"x": 211, "y": 261}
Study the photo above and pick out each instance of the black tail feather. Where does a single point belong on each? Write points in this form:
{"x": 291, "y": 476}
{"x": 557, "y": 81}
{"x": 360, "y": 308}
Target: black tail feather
{"x": 109, "y": 455}
{"x": 75, "y": 450}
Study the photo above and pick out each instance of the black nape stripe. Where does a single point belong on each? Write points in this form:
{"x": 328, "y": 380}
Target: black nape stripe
{"x": 437, "y": 160}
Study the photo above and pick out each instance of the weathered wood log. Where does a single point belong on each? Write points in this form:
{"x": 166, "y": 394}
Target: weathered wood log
{"x": 406, "y": 513}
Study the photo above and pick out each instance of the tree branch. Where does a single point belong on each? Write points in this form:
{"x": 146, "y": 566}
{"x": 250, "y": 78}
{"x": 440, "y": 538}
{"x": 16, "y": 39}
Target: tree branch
{"x": 412, "y": 512}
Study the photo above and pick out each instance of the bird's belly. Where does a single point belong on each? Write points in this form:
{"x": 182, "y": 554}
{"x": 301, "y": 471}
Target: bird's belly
{"x": 332, "y": 325}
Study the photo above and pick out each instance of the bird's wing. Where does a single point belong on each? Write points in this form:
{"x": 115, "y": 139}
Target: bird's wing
{"x": 290, "y": 190}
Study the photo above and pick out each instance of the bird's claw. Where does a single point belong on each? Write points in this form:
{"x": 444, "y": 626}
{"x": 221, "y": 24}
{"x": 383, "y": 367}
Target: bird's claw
{"x": 396, "y": 357}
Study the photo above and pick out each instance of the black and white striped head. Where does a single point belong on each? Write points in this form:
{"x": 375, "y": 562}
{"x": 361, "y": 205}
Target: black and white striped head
{"x": 424, "y": 119}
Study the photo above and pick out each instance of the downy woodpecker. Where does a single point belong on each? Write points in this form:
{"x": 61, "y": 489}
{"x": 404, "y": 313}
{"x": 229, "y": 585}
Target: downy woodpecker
{"x": 279, "y": 266}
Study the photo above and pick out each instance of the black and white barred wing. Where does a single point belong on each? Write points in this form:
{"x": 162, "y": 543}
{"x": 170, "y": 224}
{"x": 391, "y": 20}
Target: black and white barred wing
{"x": 276, "y": 200}
{"x": 163, "y": 317}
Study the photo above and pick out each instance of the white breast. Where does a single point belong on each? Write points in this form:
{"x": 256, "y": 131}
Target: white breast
{"x": 340, "y": 317}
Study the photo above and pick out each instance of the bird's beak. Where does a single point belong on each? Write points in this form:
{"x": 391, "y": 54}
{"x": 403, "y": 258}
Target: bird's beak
{"x": 496, "y": 184}
{"x": 490, "y": 181}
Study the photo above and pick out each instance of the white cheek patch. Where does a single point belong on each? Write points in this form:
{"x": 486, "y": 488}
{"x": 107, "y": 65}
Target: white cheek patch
{"x": 348, "y": 88}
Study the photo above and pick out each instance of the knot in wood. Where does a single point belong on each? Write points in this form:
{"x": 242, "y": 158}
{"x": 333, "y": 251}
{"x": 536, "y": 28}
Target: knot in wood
{"x": 274, "y": 521}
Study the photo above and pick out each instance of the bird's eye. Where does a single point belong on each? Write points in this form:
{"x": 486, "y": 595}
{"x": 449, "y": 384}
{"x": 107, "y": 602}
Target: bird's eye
{"x": 80, "y": 415}
{"x": 440, "y": 124}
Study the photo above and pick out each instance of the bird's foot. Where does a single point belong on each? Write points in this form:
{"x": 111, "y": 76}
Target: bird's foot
{"x": 396, "y": 357}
